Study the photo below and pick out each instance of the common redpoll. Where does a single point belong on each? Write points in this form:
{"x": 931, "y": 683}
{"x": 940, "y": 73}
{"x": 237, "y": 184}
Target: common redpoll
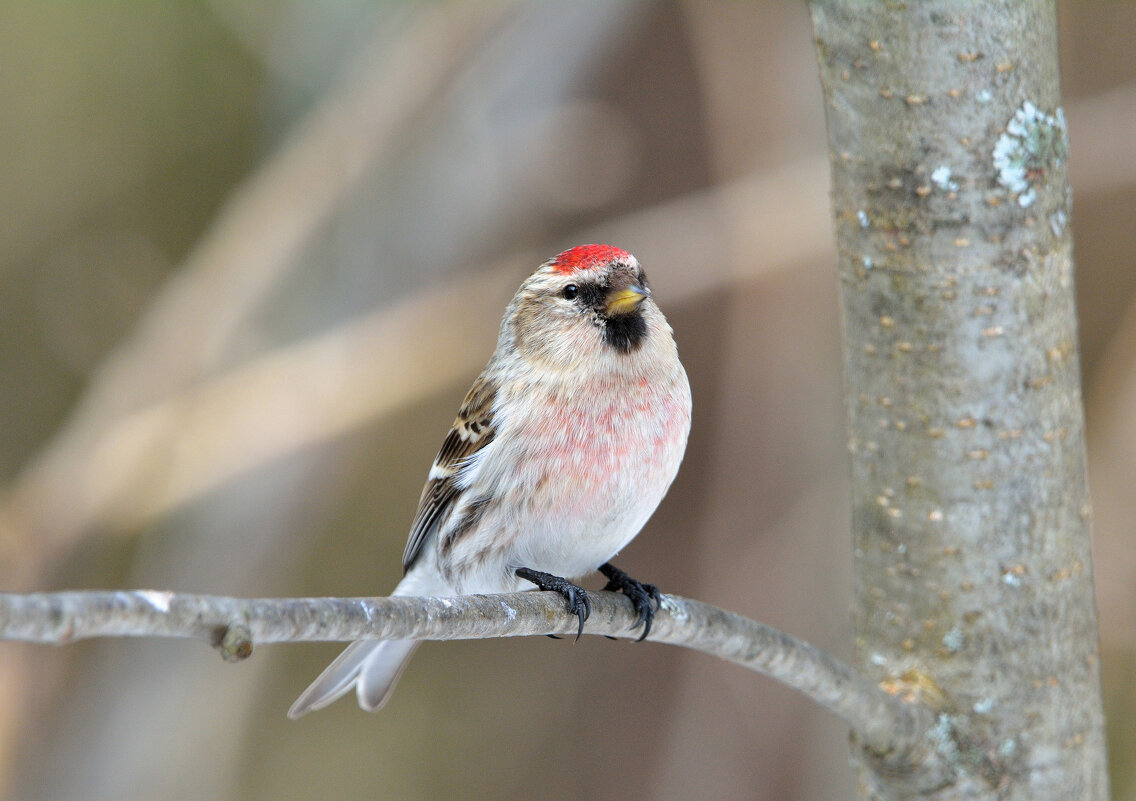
{"x": 561, "y": 451}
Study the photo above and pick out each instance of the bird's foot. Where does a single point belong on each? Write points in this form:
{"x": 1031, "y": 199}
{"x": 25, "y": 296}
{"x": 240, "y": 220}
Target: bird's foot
{"x": 578, "y": 602}
{"x": 641, "y": 596}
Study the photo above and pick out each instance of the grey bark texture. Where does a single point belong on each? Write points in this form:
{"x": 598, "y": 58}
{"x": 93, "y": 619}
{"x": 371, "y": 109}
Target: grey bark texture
{"x": 971, "y": 517}
{"x": 233, "y": 625}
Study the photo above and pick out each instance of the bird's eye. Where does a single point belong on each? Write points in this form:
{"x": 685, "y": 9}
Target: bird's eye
{"x": 570, "y": 292}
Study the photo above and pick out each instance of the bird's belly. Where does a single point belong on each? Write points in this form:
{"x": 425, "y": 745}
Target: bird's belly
{"x": 585, "y": 485}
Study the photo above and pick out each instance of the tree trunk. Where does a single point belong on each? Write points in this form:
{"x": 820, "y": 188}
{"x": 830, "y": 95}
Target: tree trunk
{"x": 971, "y": 513}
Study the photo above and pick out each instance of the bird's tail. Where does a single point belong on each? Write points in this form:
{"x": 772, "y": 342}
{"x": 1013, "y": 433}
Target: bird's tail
{"x": 372, "y": 667}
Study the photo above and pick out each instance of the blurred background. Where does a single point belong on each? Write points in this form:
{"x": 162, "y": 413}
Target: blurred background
{"x": 251, "y": 256}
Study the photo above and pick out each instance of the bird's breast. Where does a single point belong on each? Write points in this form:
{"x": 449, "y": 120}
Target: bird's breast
{"x": 575, "y": 474}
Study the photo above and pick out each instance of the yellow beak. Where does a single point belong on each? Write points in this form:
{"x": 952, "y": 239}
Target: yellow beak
{"x": 625, "y": 301}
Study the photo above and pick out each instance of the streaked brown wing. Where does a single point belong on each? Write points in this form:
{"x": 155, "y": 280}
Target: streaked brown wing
{"x": 472, "y": 430}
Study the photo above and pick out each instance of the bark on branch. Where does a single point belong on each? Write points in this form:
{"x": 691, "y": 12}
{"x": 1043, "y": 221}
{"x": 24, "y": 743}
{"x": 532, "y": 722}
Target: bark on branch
{"x": 883, "y": 722}
{"x": 971, "y": 520}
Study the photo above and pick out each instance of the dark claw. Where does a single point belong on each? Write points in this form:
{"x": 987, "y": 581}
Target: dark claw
{"x": 578, "y": 602}
{"x": 641, "y": 596}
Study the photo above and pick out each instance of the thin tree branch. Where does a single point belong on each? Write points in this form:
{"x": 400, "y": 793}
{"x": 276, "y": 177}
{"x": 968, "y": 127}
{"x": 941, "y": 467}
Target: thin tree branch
{"x": 884, "y": 723}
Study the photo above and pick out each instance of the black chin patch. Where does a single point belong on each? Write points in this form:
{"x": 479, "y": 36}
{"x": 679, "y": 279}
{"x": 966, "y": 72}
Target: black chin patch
{"x": 625, "y": 332}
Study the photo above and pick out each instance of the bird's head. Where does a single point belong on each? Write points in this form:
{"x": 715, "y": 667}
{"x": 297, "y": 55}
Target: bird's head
{"x": 589, "y": 302}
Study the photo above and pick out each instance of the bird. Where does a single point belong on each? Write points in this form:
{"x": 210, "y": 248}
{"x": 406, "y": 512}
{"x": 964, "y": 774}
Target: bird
{"x": 560, "y": 453}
